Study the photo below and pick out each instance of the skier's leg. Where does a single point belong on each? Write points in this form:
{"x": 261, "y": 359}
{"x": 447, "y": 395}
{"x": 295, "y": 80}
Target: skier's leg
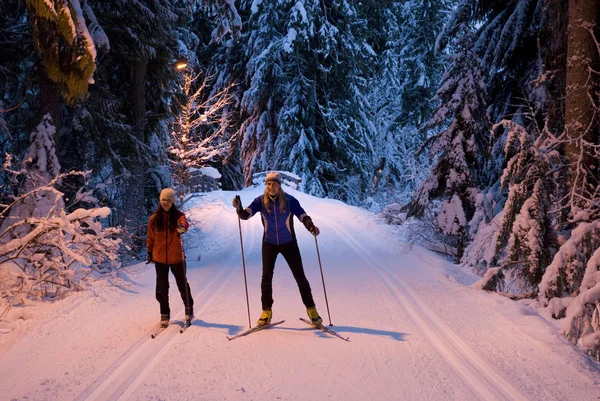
{"x": 180, "y": 278}
{"x": 291, "y": 253}
{"x": 162, "y": 287}
{"x": 269, "y": 255}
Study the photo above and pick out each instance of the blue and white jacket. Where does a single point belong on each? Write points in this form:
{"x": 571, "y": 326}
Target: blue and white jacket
{"x": 278, "y": 224}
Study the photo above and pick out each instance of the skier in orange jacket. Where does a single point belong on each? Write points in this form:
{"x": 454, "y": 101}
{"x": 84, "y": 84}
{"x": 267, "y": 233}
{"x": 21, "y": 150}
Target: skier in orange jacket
{"x": 165, "y": 249}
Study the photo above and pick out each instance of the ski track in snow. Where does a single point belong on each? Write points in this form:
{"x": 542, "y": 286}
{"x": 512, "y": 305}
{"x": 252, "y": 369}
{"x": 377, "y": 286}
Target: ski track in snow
{"x": 483, "y": 380}
{"x": 120, "y": 380}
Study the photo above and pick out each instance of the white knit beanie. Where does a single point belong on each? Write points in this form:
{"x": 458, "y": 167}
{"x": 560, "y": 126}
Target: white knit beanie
{"x": 168, "y": 193}
{"x": 274, "y": 176}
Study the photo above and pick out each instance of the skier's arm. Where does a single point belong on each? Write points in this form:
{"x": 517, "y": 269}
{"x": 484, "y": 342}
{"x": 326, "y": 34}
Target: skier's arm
{"x": 254, "y": 207}
{"x": 303, "y": 217}
{"x": 248, "y": 212}
{"x": 310, "y": 226}
{"x": 296, "y": 209}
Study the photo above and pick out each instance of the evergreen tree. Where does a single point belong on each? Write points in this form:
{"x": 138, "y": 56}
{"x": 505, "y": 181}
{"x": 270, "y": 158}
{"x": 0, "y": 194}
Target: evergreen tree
{"x": 221, "y": 48}
{"x": 310, "y": 117}
{"x": 526, "y": 238}
{"x": 420, "y": 65}
{"x": 403, "y": 36}
{"x": 460, "y": 148}
{"x": 19, "y": 104}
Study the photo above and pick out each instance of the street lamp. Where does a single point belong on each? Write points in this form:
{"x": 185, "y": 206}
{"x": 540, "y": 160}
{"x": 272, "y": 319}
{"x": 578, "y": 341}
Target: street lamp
{"x": 181, "y": 63}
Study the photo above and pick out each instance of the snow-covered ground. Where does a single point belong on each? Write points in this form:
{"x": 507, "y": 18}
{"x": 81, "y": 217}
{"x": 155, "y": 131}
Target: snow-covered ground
{"x": 417, "y": 330}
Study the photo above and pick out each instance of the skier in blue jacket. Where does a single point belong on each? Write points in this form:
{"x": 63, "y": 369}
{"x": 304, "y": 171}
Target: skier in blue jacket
{"x": 277, "y": 210}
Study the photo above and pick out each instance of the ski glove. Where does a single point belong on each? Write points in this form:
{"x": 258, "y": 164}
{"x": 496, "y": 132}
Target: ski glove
{"x": 237, "y": 204}
{"x": 181, "y": 229}
{"x": 307, "y": 221}
{"x": 149, "y": 257}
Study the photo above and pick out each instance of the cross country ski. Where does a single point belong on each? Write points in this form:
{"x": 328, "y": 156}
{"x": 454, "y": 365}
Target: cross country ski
{"x": 325, "y": 329}
{"x": 160, "y": 329}
{"x": 255, "y": 329}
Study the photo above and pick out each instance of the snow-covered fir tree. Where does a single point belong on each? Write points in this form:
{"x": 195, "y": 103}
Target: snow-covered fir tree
{"x": 526, "y": 238}
{"x": 460, "y": 149}
{"x": 121, "y": 131}
{"x": 42, "y": 166}
{"x": 403, "y": 37}
{"x": 305, "y": 96}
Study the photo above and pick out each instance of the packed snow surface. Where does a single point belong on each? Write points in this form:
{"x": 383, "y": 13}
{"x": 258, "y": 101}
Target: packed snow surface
{"x": 417, "y": 330}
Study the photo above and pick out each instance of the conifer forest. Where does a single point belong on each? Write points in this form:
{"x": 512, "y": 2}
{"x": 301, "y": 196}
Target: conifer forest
{"x": 474, "y": 121}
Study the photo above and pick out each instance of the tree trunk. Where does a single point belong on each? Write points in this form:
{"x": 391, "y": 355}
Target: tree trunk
{"x": 134, "y": 201}
{"x": 579, "y": 107}
{"x": 138, "y": 94}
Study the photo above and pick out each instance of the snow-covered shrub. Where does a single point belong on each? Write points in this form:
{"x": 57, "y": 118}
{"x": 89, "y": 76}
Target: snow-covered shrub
{"x": 484, "y": 226}
{"x": 55, "y": 253}
{"x": 426, "y": 232}
{"x": 577, "y": 258}
{"x": 393, "y": 214}
{"x": 45, "y": 249}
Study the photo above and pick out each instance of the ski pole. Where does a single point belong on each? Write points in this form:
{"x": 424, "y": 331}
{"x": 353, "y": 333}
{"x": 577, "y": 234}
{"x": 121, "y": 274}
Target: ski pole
{"x": 187, "y": 292}
{"x": 323, "y": 279}
{"x": 244, "y": 265}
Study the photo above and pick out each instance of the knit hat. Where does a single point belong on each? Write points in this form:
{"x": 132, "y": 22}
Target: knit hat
{"x": 274, "y": 176}
{"x": 167, "y": 193}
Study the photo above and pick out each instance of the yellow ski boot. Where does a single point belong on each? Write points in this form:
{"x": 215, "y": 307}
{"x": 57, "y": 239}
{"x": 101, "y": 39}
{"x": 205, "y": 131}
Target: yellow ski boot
{"x": 314, "y": 316}
{"x": 265, "y": 318}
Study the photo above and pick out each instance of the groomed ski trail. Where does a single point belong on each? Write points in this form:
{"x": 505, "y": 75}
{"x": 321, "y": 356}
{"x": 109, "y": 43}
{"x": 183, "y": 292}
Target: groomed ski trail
{"x": 483, "y": 380}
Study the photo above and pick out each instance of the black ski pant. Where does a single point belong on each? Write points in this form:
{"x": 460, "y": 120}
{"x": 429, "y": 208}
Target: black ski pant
{"x": 291, "y": 254}
{"x": 162, "y": 286}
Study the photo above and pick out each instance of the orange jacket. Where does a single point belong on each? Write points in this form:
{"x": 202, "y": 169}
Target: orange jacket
{"x": 165, "y": 245}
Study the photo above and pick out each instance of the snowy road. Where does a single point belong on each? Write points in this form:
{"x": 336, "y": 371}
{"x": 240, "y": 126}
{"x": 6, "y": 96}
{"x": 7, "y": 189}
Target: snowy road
{"x": 417, "y": 330}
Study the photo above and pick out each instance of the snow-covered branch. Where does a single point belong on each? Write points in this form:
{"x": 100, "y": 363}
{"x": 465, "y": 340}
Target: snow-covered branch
{"x": 201, "y": 131}
{"x": 44, "y": 256}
